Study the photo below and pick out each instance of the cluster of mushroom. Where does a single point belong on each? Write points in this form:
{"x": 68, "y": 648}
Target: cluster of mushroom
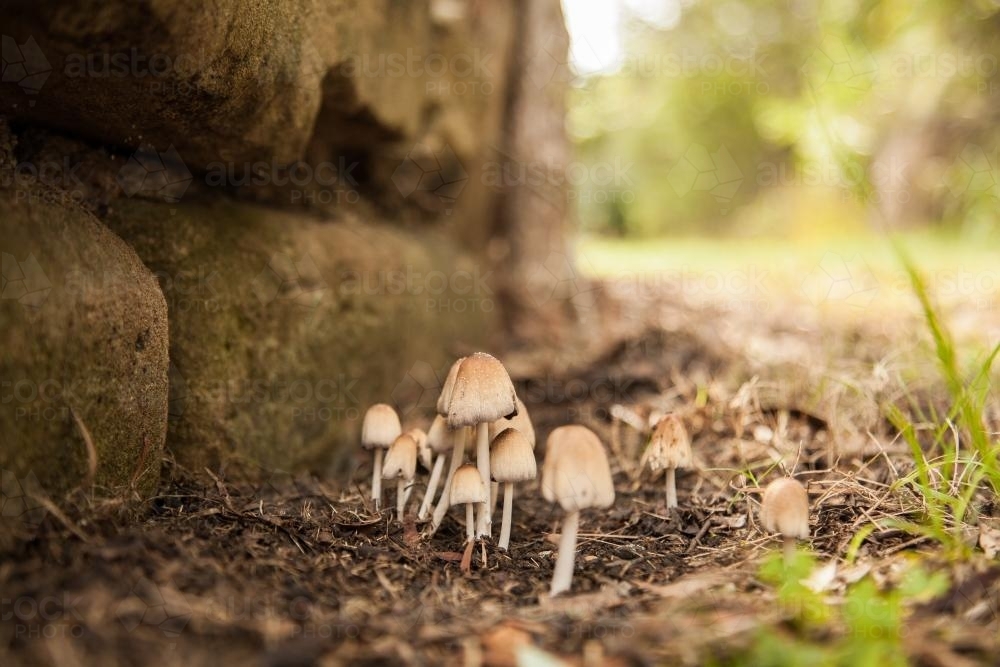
{"x": 479, "y": 398}
{"x": 784, "y": 508}
{"x": 478, "y": 404}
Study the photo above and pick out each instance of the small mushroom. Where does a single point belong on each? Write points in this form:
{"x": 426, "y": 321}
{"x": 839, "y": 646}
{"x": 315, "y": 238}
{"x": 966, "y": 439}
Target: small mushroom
{"x": 401, "y": 465}
{"x": 440, "y": 441}
{"x": 482, "y": 394}
{"x": 785, "y": 510}
{"x": 378, "y": 431}
{"x": 522, "y": 422}
{"x": 467, "y": 489}
{"x": 512, "y": 459}
{"x": 669, "y": 449}
{"x": 458, "y": 446}
{"x": 576, "y": 475}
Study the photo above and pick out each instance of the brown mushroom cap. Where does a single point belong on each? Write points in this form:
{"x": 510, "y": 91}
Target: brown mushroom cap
{"x": 521, "y": 421}
{"x": 401, "y": 459}
{"x": 380, "y": 427}
{"x": 670, "y": 446}
{"x": 512, "y": 458}
{"x": 785, "y": 508}
{"x": 482, "y": 393}
{"x": 467, "y": 486}
{"x": 576, "y": 473}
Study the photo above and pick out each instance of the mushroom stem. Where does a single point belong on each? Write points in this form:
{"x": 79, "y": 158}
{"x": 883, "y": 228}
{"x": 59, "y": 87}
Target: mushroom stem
{"x": 671, "y": 488}
{"x": 562, "y": 576}
{"x": 494, "y": 496}
{"x": 401, "y": 495}
{"x": 445, "y": 501}
{"x": 485, "y": 523}
{"x": 377, "y": 479}
{"x": 432, "y": 484}
{"x": 470, "y": 522}
{"x": 508, "y": 508}
{"x": 788, "y": 546}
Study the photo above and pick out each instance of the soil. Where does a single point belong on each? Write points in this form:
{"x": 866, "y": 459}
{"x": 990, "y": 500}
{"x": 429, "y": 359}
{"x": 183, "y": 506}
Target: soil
{"x": 301, "y": 571}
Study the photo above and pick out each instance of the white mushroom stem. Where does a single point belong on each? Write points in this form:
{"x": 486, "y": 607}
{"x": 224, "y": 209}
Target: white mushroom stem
{"x": 377, "y": 479}
{"x": 508, "y": 509}
{"x": 485, "y": 523}
{"x": 470, "y": 523}
{"x": 445, "y": 502}
{"x": 562, "y": 576}
{"x": 671, "y": 487}
{"x": 402, "y": 493}
{"x": 432, "y": 484}
{"x": 789, "y": 548}
{"x": 494, "y": 496}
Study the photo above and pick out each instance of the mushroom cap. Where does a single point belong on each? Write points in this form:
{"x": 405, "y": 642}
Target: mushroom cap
{"x": 576, "y": 473}
{"x": 482, "y": 393}
{"x": 440, "y": 438}
{"x": 521, "y": 421}
{"x": 380, "y": 427}
{"x": 670, "y": 446}
{"x": 785, "y": 508}
{"x": 444, "y": 398}
{"x": 467, "y": 486}
{"x": 512, "y": 458}
{"x": 424, "y": 454}
{"x": 401, "y": 459}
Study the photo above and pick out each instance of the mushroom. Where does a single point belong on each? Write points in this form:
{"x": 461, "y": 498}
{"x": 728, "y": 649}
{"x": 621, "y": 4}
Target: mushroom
{"x": 458, "y": 445}
{"x": 512, "y": 459}
{"x": 378, "y": 431}
{"x": 425, "y": 457}
{"x": 576, "y": 475}
{"x": 439, "y": 442}
{"x": 467, "y": 488}
{"x": 785, "y": 510}
{"x": 401, "y": 465}
{"x": 482, "y": 394}
{"x": 522, "y": 422}
{"x": 669, "y": 449}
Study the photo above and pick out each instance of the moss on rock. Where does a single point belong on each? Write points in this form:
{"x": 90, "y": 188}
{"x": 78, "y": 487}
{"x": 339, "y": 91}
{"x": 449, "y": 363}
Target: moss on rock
{"x": 84, "y": 331}
{"x": 284, "y": 328}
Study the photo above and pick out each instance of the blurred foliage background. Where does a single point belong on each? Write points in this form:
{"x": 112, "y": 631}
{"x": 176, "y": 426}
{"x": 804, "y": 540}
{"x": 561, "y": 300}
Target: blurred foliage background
{"x": 790, "y": 119}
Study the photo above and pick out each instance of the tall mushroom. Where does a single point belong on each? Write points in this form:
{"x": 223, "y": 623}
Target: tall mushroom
{"x": 576, "y": 475}
{"x": 401, "y": 465}
{"x": 458, "y": 445}
{"x": 378, "y": 431}
{"x": 439, "y": 442}
{"x": 512, "y": 459}
{"x": 785, "y": 510}
{"x": 522, "y": 422}
{"x": 669, "y": 449}
{"x": 467, "y": 488}
{"x": 482, "y": 393}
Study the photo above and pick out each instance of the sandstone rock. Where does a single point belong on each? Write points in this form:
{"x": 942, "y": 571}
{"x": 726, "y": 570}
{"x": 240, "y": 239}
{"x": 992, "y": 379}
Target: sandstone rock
{"x": 237, "y": 84}
{"x": 284, "y": 328}
{"x": 84, "y": 329}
